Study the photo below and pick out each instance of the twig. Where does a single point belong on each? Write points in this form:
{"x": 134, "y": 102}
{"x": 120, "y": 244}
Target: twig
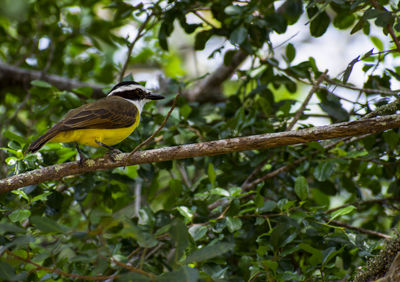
{"x": 49, "y": 59}
{"x": 132, "y": 269}
{"x": 366, "y": 202}
{"x": 315, "y": 87}
{"x": 255, "y": 171}
{"x": 158, "y": 130}
{"x": 184, "y": 175}
{"x": 60, "y": 272}
{"x": 359, "y": 229}
{"x": 138, "y": 193}
{"x": 203, "y": 19}
{"x": 365, "y": 90}
{"x": 132, "y": 44}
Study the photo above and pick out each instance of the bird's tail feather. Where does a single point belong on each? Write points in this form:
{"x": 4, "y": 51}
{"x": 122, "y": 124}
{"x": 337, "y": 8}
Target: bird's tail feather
{"x": 37, "y": 144}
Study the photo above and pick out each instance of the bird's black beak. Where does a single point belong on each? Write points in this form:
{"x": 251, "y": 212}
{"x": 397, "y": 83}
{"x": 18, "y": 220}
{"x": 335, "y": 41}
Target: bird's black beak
{"x": 152, "y": 96}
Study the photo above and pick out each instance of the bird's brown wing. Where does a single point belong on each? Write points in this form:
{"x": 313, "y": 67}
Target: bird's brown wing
{"x": 107, "y": 113}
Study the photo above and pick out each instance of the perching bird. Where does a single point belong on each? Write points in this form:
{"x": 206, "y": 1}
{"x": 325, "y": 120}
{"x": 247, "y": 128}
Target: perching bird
{"x": 105, "y": 122}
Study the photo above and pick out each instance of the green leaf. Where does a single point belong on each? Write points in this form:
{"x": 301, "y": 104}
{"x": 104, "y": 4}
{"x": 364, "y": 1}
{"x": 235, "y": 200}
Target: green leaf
{"x": 220, "y": 191}
{"x": 41, "y": 197}
{"x": 377, "y": 42}
{"x": 47, "y": 225}
{"x": 268, "y": 206}
{"x": 391, "y": 138}
{"x": 233, "y": 10}
{"x": 211, "y": 174}
{"x": 143, "y": 238}
{"x": 201, "y": 39}
{"x": 238, "y": 36}
{"x": 8, "y": 227}
{"x": 198, "y": 231}
{"x": 180, "y": 236}
{"x": 301, "y": 188}
{"x": 342, "y": 211}
{"x": 209, "y": 252}
{"x": 7, "y": 272}
{"x": 14, "y": 137}
{"x": 324, "y": 170}
{"x": 19, "y": 215}
{"x": 184, "y": 274}
{"x": 21, "y": 194}
{"x": 185, "y": 111}
{"x": 316, "y": 255}
{"x": 320, "y": 23}
{"x": 185, "y": 211}
{"x": 290, "y": 52}
{"x": 84, "y": 91}
{"x": 344, "y": 21}
{"x": 233, "y": 223}
{"x": 40, "y": 83}
{"x": 166, "y": 29}
{"x": 329, "y": 254}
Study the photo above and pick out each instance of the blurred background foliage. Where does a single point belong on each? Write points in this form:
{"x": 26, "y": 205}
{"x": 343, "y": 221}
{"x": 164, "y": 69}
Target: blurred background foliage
{"x": 234, "y": 217}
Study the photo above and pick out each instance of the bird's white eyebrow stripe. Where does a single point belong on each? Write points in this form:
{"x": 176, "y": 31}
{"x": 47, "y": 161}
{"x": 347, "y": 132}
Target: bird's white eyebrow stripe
{"x": 126, "y": 88}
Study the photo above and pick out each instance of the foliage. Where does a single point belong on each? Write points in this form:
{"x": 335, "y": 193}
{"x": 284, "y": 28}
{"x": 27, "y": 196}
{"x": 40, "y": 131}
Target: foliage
{"x": 201, "y": 218}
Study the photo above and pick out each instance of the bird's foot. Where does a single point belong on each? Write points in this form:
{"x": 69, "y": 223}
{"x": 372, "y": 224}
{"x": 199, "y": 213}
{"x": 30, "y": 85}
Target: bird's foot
{"x": 82, "y": 157}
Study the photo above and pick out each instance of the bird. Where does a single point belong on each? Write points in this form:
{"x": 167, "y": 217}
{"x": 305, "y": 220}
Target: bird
{"x": 103, "y": 123}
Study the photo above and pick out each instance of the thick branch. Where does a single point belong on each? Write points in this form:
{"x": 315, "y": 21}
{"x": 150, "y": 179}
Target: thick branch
{"x": 15, "y": 76}
{"x": 209, "y": 87}
{"x": 225, "y": 146}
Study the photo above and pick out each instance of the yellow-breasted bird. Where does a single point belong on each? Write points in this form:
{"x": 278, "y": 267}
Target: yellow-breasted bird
{"x": 105, "y": 122}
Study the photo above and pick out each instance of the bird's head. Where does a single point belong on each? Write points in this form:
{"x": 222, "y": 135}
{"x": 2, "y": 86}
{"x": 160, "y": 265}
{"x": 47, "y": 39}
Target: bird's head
{"x": 134, "y": 93}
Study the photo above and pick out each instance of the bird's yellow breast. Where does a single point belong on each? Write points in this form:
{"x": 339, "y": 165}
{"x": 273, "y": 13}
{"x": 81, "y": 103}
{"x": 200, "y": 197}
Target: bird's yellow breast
{"x": 89, "y": 137}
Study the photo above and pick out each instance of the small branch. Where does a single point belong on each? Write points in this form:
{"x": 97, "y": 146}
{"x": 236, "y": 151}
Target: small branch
{"x": 359, "y": 229}
{"x": 158, "y": 130}
{"x": 195, "y": 12}
{"x": 131, "y": 268}
{"x": 314, "y": 89}
{"x": 365, "y": 90}
{"x": 138, "y": 194}
{"x": 255, "y": 171}
{"x": 211, "y": 148}
{"x": 132, "y": 44}
{"x": 366, "y": 202}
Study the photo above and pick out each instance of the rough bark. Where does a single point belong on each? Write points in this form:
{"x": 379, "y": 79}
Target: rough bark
{"x": 20, "y": 77}
{"x": 225, "y": 146}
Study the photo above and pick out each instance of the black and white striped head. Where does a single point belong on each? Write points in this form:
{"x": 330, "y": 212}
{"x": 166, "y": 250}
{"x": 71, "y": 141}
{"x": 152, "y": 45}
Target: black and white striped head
{"x": 134, "y": 93}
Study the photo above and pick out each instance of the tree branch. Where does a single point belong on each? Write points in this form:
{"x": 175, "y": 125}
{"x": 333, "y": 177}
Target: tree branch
{"x": 132, "y": 44}
{"x": 20, "y": 77}
{"x": 314, "y": 89}
{"x": 359, "y": 229}
{"x": 224, "y": 146}
{"x": 206, "y": 88}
